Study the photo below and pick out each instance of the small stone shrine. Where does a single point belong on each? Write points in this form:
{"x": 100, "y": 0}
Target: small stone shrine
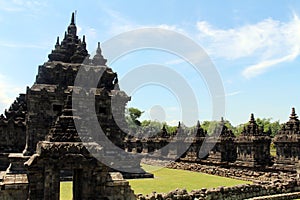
{"x": 224, "y": 148}
{"x": 253, "y": 146}
{"x": 192, "y": 154}
{"x": 287, "y": 143}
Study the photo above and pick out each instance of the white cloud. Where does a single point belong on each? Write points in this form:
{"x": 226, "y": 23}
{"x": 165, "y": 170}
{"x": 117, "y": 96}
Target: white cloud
{"x": 268, "y": 43}
{"x": 9, "y": 91}
{"x": 259, "y": 68}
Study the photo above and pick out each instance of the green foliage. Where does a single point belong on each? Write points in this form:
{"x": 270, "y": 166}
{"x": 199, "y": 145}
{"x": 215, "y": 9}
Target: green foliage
{"x": 210, "y": 126}
{"x": 166, "y": 180}
{"x": 170, "y": 129}
{"x": 134, "y": 114}
{"x": 274, "y": 127}
{"x": 266, "y": 123}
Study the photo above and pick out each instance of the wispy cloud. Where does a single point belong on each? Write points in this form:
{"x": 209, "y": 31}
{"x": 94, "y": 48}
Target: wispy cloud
{"x": 233, "y": 93}
{"x": 259, "y": 68}
{"x": 21, "y": 5}
{"x": 118, "y": 22}
{"x": 175, "y": 62}
{"x": 20, "y": 45}
{"x": 268, "y": 43}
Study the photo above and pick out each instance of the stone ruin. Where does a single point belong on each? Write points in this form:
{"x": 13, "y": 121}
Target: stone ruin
{"x": 224, "y": 147}
{"x": 287, "y": 143}
{"x": 40, "y": 143}
{"x": 192, "y": 153}
{"x": 253, "y": 146}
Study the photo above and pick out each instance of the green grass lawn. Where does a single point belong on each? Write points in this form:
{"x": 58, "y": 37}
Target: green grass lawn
{"x": 166, "y": 180}
{"x": 66, "y": 190}
{"x": 169, "y": 179}
{"x": 273, "y": 152}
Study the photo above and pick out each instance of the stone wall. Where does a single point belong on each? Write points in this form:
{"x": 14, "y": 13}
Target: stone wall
{"x": 264, "y": 183}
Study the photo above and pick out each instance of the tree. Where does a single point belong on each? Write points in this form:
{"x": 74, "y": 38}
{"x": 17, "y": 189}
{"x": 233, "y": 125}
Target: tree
{"x": 210, "y": 126}
{"x": 134, "y": 114}
{"x": 266, "y": 123}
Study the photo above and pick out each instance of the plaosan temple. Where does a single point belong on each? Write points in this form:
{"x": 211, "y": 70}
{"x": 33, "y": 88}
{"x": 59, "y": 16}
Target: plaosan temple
{"x": 40, "y": 143}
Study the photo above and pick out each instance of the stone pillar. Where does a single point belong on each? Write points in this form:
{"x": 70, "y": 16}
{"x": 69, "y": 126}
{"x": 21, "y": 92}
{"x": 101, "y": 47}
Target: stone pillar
{"x": 77, "y": 184}
{"x": 51, "y": 183}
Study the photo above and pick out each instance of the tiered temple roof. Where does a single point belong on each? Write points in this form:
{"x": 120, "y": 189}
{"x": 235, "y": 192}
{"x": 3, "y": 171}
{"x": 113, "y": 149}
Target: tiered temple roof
{"x": 73, "y": 50}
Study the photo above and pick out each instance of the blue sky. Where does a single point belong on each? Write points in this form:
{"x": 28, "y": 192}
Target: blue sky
{"x": 255, "y": 46}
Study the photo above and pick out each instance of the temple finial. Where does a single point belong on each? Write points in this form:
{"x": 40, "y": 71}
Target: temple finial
{"x": 293, "y": 111}
{"x": 83, "y": 39}
{"x": 57, "y": 42}
{"x": 198, "y": 124}
{"x": 293, "y": 115}
{"x": 73, "y": 19}
{"x": 98, "y": 58}
{"x": 252, "y": 118}
{"x": 98, "y": 48}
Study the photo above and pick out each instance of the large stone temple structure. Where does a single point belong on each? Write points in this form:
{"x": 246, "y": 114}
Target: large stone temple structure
{"x": 53, "y": 146}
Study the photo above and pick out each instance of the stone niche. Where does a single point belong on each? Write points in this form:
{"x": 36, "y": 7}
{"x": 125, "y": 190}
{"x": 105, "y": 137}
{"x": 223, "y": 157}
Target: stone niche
{"x": 253, "y": 146}
{"x": 287, "y": 144}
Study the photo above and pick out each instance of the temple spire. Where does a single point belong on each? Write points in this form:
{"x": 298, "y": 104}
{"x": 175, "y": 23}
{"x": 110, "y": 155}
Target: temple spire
{"x": 293, "y": 115}
{"x": 83, "y": 39}
{"x": 222, "y": 119}
{"x": 98, "y": 58}
{"x": 72, "y": 29}
{"x": 198, "y": 124}
{"x": 73, "y": 19}
{"x": 57, "y": 42}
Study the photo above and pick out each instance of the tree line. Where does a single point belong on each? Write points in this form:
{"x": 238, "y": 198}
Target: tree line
{"x": 149, "y": 127}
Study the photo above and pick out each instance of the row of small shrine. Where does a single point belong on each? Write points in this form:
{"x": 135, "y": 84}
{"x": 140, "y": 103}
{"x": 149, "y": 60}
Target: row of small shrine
{"x": 251, "y": 148}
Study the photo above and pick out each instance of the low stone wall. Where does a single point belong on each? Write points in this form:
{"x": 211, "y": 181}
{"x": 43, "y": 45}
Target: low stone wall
{"x": 264, "y": 183}
{"x": 238, "y": 192}
{"x": 247, "y": 174}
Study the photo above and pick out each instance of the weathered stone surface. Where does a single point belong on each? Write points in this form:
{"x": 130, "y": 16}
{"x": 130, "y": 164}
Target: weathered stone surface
{"x": 287, "y": 144}
{"x": 224, "y": 147}
{"x": 253, "y": 146}
{"x": 53, "y": 144}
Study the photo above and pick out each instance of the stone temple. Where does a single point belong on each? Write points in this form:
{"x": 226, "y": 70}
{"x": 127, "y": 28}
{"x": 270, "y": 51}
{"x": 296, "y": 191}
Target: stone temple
{"x": 49, "y": 134}
{"x": 40, "y": 143}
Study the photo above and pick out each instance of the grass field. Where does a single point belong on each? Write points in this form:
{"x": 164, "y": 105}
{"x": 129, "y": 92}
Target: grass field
{"x": 66, "y": 190}
{"x": 166, "y": 180}
{"x": 169, "y": 179}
